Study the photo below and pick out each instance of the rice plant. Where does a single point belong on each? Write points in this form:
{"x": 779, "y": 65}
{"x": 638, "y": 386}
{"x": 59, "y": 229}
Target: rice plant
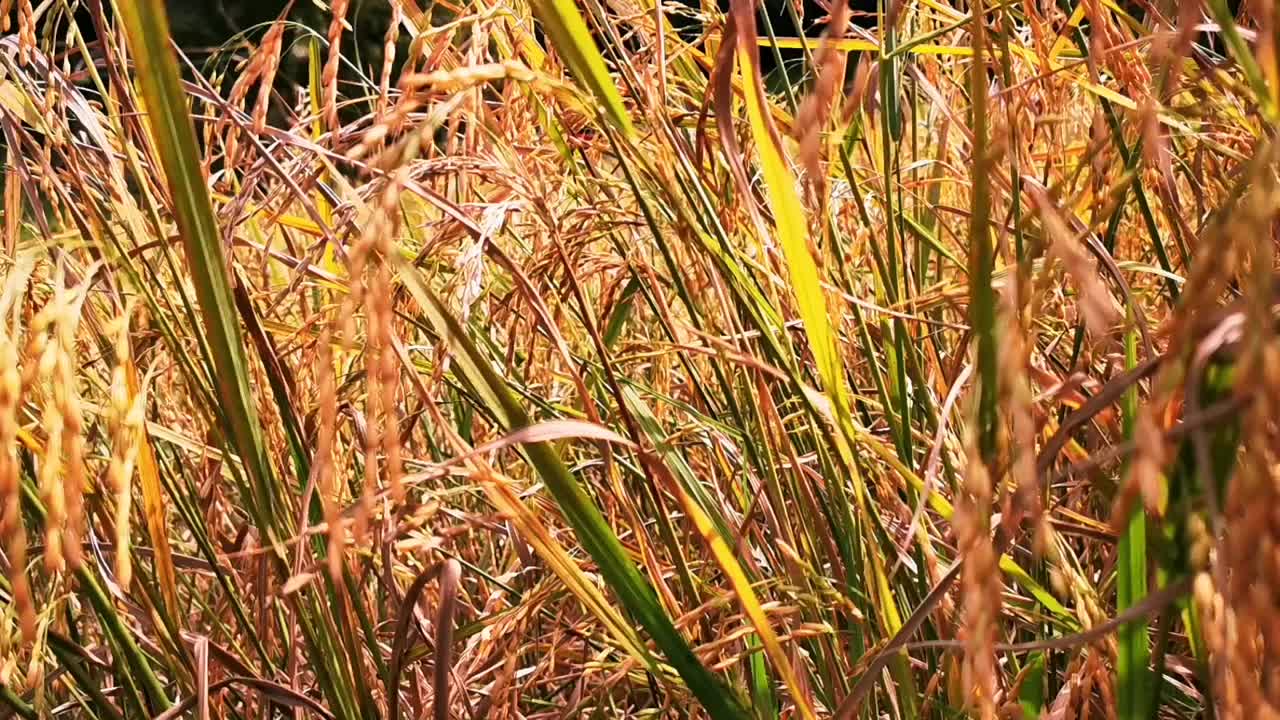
{"x": 614, "y": 359}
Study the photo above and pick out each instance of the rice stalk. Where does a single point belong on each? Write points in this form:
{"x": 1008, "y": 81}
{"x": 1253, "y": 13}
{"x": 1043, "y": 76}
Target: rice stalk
{"x": 819, "y": 407}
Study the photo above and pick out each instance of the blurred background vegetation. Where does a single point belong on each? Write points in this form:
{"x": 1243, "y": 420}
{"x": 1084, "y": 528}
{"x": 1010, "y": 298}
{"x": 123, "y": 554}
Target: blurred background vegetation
{"x": 202, "y": 27}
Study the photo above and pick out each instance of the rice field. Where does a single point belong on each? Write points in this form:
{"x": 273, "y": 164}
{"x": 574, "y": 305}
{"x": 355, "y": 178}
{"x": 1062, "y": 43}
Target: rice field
{"x": 633, "y": 359}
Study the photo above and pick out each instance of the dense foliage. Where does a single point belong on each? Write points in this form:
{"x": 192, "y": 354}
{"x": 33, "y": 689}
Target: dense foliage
{"x": 566, "y": 358}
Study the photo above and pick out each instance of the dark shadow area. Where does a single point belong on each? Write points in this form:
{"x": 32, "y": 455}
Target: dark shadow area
{"x": 209, "y": 31}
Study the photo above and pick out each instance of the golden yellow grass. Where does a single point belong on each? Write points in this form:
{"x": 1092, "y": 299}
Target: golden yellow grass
{"x": 601, "y": 372}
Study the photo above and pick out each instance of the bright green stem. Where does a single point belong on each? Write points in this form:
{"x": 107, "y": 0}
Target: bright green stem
{"x": 1132, "y": 673}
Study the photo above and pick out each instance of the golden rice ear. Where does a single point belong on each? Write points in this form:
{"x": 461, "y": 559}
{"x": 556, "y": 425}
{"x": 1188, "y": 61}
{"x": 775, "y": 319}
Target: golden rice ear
{"x": 981, "y": 585}
{"x": 329, "y": 79}
{"x": 814, "y": 113}
{"x": 1023, "y": 501}
{"x": 67, "y": 396}
{"x": 13, "y": 535}
{"x": 272, "y": 46}
{"x": 389, "y": 43}
{"x": 52, "y": 351}
{"x": 26, "y": 30}
{"x": 1096, "y": 305}
{"x": 49, "y": 473}
{"x": 124, "y": 421}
